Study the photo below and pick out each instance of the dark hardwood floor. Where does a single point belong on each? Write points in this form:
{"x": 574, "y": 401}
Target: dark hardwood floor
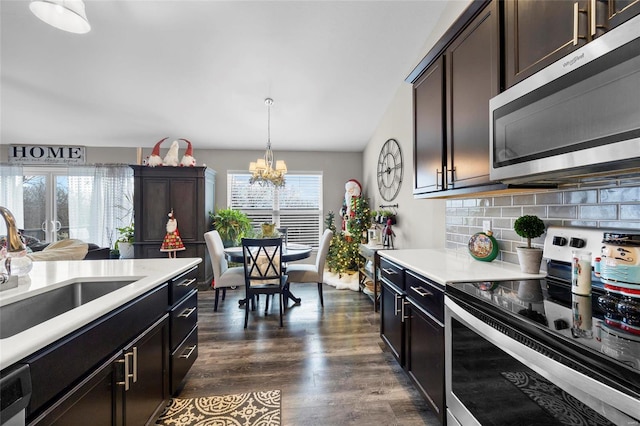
{"x": 329, "y": 363}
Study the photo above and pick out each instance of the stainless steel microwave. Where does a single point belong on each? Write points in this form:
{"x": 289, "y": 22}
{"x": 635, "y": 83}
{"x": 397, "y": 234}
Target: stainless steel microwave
{"x": 575, "y": 119}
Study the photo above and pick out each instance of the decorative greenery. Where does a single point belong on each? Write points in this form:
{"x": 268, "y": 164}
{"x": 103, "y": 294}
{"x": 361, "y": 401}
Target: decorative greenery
{"x": 529, "y": 227}
{"x": 344, "y": 248}
{"x": 360, "y": 223}
{"x": 232, "y": 225}
{"x": 126, "y": 234}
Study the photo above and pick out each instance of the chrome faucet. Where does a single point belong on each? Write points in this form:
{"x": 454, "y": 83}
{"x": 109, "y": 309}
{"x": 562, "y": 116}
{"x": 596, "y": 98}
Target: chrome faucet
{"x": 16, "y": 253}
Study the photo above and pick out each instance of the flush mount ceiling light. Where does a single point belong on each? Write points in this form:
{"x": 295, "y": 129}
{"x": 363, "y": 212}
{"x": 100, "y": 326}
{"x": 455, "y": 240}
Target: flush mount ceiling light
{"x": 67, "y": 15}
{"x": 262, "y": 171}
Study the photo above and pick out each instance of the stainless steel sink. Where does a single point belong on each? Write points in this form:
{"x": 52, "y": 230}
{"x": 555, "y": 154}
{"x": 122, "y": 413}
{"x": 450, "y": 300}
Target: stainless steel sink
{"x": 21, "y": 315}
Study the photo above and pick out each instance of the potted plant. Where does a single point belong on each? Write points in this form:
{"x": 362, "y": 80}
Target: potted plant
{"x": 529, "y": 227}
{"x": 232, "y": 225}
{"x": 124, "y": 243}
{"x": 386, "y": 215}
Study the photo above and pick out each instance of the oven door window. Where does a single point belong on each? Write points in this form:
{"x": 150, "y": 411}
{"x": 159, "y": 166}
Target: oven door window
{"x": 499, "y": 390}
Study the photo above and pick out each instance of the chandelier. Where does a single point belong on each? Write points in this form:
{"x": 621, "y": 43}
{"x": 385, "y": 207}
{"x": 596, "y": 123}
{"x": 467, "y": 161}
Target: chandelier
{"x": 262, "y": 171}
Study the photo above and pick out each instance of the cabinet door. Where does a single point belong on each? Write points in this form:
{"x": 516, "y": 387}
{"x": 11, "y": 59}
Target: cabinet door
{"x": 425, "y": 357}
{"x": 616, "y": 12}
{"x": 92, "y": 399}
{"x": 472, "y": 79}
{"x": 538, "y": 33}
{"x": 429, "y": 128}
{"x": 159, "y": 196}
{"x": 391, "y": 324}
{"x": 148, "y": 379}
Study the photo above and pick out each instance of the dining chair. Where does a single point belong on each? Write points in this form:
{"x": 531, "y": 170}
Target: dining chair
{"x": 223, "y": 276}
{"x": 263, "y": 273}
{"x": 307, "y": 273}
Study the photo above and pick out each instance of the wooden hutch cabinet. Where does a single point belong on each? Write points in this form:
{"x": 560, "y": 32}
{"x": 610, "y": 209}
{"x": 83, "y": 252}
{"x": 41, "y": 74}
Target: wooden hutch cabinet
{"x": 190, "y": 192}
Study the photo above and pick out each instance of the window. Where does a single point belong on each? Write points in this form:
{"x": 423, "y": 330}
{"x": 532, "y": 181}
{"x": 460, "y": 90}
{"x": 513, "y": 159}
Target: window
{"x": 55, "y": 203}
{"x": 297, "y": 206}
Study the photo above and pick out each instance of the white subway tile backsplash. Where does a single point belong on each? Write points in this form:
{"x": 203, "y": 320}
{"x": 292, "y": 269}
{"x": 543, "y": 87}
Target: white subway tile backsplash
{"x": 630, "y": 211}
{"x": 564, "y": 212}
{"x": 580, "y": 197}
{"x": 600, "y": 212}
{"x": 511, "y": 211}
{"x": 616, "y": 207}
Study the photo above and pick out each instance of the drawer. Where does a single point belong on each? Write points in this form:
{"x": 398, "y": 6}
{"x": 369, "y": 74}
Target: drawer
{"x": 392, "y": 273}
{"x": 182, "y": 359}
{"x": 183, "y": 318}
{"x": 426, "y": 294}
{"x": 182, "y": 285}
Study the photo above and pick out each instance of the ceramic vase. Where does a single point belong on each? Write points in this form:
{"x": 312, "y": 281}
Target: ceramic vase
{"x": 529, "y": 259}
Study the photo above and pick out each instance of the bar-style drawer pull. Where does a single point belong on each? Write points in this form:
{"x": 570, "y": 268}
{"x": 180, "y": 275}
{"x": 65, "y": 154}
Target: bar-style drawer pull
{"x": 422, "y": 292}
{"x": 576, "y": 32}
{"x": 186, "y": 283}
{"x": 389, "y": 271}
{"x": 187, "y": 312}
{"x": 190, "y": 349}
{"x": 126, "y": 375}
{"x": 404, "y": 317}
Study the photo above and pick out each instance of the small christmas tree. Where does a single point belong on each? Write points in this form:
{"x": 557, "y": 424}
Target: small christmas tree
{"x": 344, "y": 249}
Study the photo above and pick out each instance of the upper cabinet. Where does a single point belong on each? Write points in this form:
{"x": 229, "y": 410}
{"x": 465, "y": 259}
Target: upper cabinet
{"x": 451, "y": 104}
{"x": 429, "y": 150}
{"x": 493, "y": 45}
{"x": 538, "y": 33}
{"x": 472, "y": 80}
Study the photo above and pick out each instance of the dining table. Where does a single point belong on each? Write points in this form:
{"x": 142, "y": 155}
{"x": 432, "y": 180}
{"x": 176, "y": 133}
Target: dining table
{"x": 291, "y": 252}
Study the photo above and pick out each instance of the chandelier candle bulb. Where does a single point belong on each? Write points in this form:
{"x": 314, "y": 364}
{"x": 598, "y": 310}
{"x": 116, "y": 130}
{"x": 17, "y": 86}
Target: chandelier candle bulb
{"x": 581, "y": 272}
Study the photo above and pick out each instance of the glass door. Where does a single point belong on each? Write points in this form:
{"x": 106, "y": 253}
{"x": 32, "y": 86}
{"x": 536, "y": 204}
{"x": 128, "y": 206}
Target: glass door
{"x": 46, "y": 207}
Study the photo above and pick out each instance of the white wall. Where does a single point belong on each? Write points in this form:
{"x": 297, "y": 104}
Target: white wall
{"x": 421, "y": 223}
{"x": 337, "y": 167}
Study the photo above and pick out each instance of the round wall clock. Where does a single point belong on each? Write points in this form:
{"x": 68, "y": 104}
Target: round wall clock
{"x": 390, "y": 170}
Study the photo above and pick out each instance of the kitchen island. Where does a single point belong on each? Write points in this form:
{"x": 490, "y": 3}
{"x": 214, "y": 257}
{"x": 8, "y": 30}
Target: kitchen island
{"x": 132, "y": 325}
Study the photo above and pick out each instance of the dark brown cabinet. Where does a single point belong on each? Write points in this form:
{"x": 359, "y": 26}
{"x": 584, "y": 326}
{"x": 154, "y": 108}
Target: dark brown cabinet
{"x": 425, "y": 340}
{"x": 391, "y": 323}
{"x": 538, "y": 33}
{"x": 148, "y": 355}
{"x": 392, "y": 330}
{"x": 412, "y": 327}
{"x": 120, "y": 369}
{"x": 429, "y": 128}
{"x": 451, "y": 102}
{"x": 190, "y": 193}
{"x": 128, "y": 389}
{"x": 472, "y": 80}
{"x": 183, "y": 320}
{"x": 616, "y": 12}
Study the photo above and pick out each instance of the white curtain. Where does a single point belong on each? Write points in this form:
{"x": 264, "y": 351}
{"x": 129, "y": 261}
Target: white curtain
{"x": 100, "y": 201}
{"x": 11, "y": 194}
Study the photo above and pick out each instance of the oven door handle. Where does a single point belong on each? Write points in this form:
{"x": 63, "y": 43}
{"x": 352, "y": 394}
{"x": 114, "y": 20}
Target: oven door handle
{"x": 608, "y": 401}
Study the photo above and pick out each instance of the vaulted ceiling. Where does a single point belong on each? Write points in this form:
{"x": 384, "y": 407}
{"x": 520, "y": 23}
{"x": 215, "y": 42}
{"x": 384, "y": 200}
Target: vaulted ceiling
{"x": 201, "y": 70}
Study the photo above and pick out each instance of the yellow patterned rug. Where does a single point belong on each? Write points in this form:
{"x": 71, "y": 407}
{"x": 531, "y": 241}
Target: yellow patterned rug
{"x": 244, "y": 409}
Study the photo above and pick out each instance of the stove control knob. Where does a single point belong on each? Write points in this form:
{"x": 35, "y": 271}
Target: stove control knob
{"x": 577, "y": 242}
{"x": 559, "y": 241}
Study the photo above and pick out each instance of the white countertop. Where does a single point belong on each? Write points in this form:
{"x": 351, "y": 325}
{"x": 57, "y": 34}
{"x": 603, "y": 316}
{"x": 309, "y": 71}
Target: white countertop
{"x": 45, "y": 276}
{"x": 448, "y": 266}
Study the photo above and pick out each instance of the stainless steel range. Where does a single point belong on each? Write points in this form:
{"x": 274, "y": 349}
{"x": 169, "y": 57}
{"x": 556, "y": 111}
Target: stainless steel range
{"x": 564, "y": 350}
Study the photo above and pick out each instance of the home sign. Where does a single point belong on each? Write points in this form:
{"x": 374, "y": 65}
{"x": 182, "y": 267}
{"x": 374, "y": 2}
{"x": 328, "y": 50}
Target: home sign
{"x": 46, "y": 154}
